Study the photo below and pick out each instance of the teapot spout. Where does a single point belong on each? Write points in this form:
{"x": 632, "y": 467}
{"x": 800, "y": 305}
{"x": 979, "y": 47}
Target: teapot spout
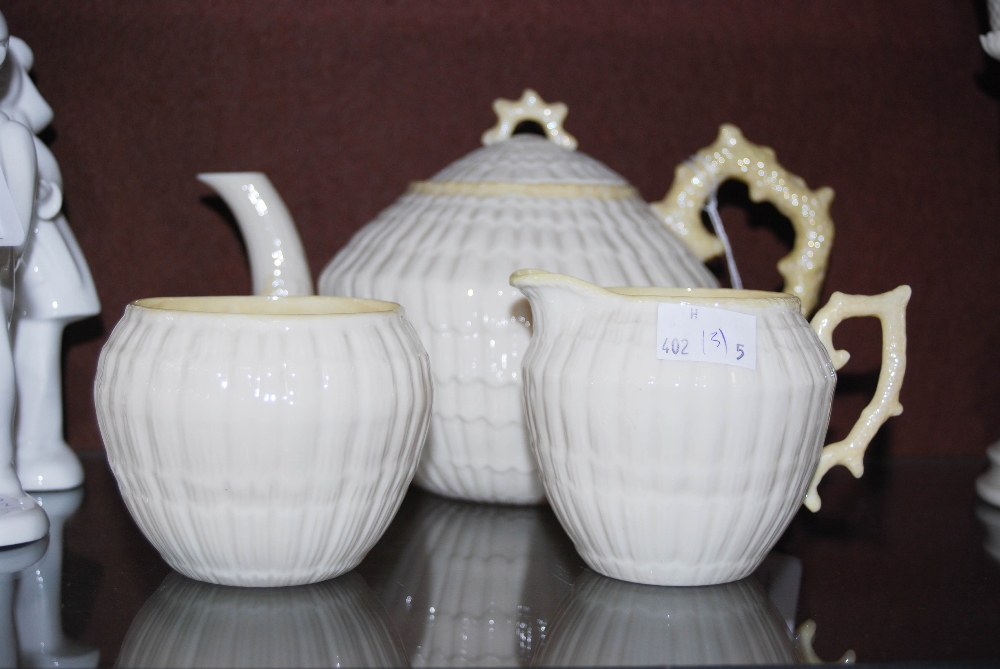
{"x": 278, "y": 264}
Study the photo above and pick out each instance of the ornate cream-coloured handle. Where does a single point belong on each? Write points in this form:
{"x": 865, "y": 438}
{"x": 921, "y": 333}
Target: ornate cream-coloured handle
{"x": 531, "y": 107}
{"x": 732, "y": 156}
{"x": 890, "y": 308}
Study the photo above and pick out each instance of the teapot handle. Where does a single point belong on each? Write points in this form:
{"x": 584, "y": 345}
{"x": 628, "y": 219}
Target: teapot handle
{"x": 890, "y": 308}
{"x": 732, "y": 156}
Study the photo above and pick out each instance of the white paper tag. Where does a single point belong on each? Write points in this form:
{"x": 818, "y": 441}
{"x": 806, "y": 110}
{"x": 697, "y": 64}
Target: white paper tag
{"x": 691, "y": 333}
{"x": 11, "y": 226}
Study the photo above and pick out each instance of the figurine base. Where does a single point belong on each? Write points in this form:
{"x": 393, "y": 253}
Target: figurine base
{"x": 54, "y": 467}
{"x": 988, "y": 484}
{"x": 21, "y": 520}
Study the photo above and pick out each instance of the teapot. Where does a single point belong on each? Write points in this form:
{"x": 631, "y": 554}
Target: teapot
{"x": 445, "y": 249}
{"x": 677, "y": 430}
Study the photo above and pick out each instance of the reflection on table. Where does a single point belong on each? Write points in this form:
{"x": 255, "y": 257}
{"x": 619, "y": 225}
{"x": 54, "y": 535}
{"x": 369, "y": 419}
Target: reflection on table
{"x": 330, "y": 624}
{"x": 990, "y": 517}
{"x": 12, "y": 561}
{"x": 507, "y": 587}
{"x": 472, "y": 584}
{"x": 475, "y": 585}
{"x": 37, "y": 604}
{"x": 606, "y": 622}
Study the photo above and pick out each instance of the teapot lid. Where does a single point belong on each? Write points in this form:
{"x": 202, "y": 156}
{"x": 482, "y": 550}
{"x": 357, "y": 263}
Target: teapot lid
{"x": 530, "y": 159}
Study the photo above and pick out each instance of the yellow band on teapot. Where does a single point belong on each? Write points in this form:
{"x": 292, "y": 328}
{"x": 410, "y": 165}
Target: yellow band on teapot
{"x": 495, "y": 188}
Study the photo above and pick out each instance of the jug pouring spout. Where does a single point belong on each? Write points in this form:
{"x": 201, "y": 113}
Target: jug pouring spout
{"x": 557, "y": 300}
{"x": 278, "y": 264}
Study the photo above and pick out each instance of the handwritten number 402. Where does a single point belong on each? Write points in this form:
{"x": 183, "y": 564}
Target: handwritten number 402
{"x": 675, "y": 346}
{"x": 718, "y": 337}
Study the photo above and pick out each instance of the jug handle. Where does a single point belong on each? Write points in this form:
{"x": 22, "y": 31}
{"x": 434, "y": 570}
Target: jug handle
{"x": 732, "y": 156}
{"x": 890, "y": 309}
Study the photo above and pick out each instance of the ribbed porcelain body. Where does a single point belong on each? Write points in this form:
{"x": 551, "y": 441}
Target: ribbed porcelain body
{"x": 445, "y": 251}
{"x": 668, "y": 472}
{"x": 262, "y": 449}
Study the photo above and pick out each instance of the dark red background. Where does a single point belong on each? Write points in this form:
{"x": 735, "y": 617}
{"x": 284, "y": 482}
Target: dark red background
{"x": 893, "y": 104}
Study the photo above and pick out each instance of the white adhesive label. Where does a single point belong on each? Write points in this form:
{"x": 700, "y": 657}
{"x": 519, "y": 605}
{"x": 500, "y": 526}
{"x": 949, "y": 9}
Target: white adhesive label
{"x": 11, "y": 227}
{"x": 691, "y": 333}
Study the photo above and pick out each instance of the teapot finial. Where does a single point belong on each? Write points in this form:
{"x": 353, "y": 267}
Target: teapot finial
{"x": 531, "y": 107}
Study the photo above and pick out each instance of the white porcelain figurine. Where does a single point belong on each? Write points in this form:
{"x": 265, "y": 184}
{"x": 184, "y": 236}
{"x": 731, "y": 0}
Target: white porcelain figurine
{"x": 991, "y": 40}
{"x": 21, "y": 518}
{"x": 53, "y": 288}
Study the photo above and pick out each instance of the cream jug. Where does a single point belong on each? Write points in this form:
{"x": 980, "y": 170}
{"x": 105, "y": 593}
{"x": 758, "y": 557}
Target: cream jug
{"x": 678, "y": 430}
{"x": 446, "y": 248}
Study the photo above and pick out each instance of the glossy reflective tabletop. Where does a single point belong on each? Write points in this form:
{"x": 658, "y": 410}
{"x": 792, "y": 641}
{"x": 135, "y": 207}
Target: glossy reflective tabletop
{"x": 896, "y": 567}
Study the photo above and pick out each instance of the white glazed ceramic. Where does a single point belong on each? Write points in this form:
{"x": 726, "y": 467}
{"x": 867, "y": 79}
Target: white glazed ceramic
{"x": 674, "y": 472}
{"x": 446, "y": 248}
{"x": 472, "y": 584}
{"x": 338, "y": 623}
{"x": 260, "y": 441}
{"x": 53, "y": 288}
{"x": 991, "y": 40}
{"x": 38, "y": 606}
{"x": 21, "y": 519}
{"x": 277, "y": 261}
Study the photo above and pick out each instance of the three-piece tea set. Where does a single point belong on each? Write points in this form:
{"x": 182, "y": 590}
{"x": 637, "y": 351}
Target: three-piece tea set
{"x": 674, "y": 426}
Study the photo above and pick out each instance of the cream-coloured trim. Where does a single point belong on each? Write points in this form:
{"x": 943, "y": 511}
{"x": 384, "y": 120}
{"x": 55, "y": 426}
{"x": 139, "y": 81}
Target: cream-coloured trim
{"x": 890, "y": 308}
{"x": 531, "y": 107}
{"x": 261, "y": 305}
{"x": 732, "y": 156}
{"x": 494, "y": 188}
